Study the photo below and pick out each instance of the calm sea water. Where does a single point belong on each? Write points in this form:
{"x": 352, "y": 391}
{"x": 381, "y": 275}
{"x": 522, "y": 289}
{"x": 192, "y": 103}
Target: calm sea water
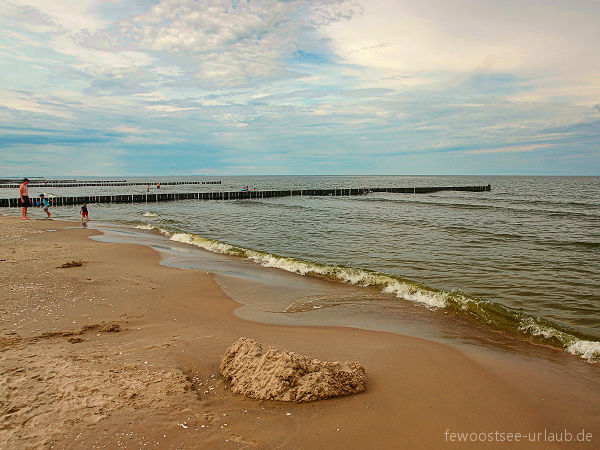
{"x": 523, "y": 258}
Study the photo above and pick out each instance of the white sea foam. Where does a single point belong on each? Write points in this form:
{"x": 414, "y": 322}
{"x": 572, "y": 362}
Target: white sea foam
{"x": 150, "y": 214}
{"x": 207, "y": 244}
{"x": 356, "y": 277}
{"x": 153, "y": 228}
{"x": 431, "y": 299}
{"x": 529, "y": 325}
{"x": 589, "y": 350}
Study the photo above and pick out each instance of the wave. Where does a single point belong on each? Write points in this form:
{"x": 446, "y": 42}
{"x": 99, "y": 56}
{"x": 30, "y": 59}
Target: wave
{"x": 586, "y": 349}
{"x": 482, "y": 311}
{"x": 150, "y": 214}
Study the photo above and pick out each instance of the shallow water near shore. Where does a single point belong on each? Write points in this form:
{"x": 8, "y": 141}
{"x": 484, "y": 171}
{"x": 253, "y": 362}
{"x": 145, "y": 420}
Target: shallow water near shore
{"x": 272, "y": 296}
{"x": 521, "y": 260}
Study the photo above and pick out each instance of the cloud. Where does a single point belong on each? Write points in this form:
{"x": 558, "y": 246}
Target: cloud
{"x": 220, "y": 43}
{"x": 555, "y": 43}
{"x": 24, "y": 102}
{"x": 301, "y": 86}
{"x": 68, "y": 15}
{"x": 26, "y": 16}
{"x": 508, "y": 149}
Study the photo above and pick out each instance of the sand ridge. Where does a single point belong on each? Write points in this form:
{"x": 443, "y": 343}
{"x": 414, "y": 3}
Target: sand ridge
{"x": 287, "y": 376}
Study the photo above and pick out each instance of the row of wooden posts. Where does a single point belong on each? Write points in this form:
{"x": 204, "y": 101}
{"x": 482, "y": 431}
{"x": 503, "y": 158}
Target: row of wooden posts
{"x": 237, "y": 195}
{"x": 40, "y": 181}
{"x": 106, "y": 183}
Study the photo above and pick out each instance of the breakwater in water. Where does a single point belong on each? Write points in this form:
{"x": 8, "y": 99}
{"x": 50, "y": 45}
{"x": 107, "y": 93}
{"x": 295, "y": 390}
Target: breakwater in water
{"x": 104, "y": 183}
{"x": 238, "y": 195}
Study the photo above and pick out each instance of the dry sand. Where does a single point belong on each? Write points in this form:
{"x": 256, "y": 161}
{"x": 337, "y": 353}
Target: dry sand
{"x": 69, "y": 378}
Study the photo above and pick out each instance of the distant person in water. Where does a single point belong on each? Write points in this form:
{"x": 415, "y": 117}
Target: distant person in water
{"x": 84, "y": 213}
{"x": 45, "y": 204}
{"x": 157, "y": 185}
{"x": 148, "y": 188}
{"x": 24, "y": 199}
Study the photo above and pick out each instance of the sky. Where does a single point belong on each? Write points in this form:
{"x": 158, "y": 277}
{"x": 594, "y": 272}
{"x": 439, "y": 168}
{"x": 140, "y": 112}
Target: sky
{"x": 216, "y": 87}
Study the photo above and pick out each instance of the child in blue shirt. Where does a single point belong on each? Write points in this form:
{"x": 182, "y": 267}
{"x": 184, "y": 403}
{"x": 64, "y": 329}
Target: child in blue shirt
{"x": 45, "y": 204}
{"x": 84, "y": 213}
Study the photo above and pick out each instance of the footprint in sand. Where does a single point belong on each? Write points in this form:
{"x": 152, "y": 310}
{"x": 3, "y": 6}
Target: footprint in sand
{"x": 210, "y": 417}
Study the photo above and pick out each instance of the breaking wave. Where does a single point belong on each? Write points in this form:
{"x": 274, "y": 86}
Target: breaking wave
{"x": 482, "y": 311}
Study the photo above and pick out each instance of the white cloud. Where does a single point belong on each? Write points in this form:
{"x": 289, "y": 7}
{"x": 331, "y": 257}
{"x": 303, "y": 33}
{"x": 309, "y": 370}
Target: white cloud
{"x": 72, "y": 15}
{"x": 219, "y": 42}
{"x": 23, "y": 102}
{"x": 556, "y": 43}
{"x": 131, "y": 130}
{"x": 168, "y": 108}
{"x": 507, "y": 149}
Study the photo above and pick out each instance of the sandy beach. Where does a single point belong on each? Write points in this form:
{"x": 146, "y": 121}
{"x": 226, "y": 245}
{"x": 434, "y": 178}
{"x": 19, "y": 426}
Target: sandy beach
{"x": 121, "y": 352}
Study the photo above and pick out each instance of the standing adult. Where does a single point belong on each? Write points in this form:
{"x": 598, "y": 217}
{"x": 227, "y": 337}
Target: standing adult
{"x": 24, "y": 197}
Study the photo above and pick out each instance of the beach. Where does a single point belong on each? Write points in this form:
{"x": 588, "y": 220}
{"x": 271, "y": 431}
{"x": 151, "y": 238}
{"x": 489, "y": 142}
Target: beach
{"x": 287, "y": 224}
{"x": 122, "y": 352}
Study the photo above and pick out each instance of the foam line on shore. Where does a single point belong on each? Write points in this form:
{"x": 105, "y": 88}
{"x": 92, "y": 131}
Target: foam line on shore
{"x": 486, "y": 312}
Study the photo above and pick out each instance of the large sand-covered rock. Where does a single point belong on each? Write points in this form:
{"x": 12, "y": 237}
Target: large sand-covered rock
{"x": 287, "y": 376}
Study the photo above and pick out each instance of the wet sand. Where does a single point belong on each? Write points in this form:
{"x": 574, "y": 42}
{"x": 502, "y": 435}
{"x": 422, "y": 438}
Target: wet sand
{"x": 122, "y": 352}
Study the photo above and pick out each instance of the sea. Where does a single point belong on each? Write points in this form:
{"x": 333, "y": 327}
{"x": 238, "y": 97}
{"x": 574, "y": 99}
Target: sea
{"x": 519, "y": 264}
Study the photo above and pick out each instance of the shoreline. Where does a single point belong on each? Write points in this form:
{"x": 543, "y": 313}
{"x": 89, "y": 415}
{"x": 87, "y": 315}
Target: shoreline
{"x": 532, "y": 330}
{"x": 509, "y": 323}
{"x": 176, "y": 324}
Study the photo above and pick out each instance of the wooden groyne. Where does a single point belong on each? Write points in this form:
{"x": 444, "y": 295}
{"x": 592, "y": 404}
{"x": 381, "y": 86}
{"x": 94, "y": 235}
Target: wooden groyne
{"x": 37, "y": 180}
{"x": 238, "y": 195}
{"x": 46, "y": 181}
{"x": 105, "y": 183}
